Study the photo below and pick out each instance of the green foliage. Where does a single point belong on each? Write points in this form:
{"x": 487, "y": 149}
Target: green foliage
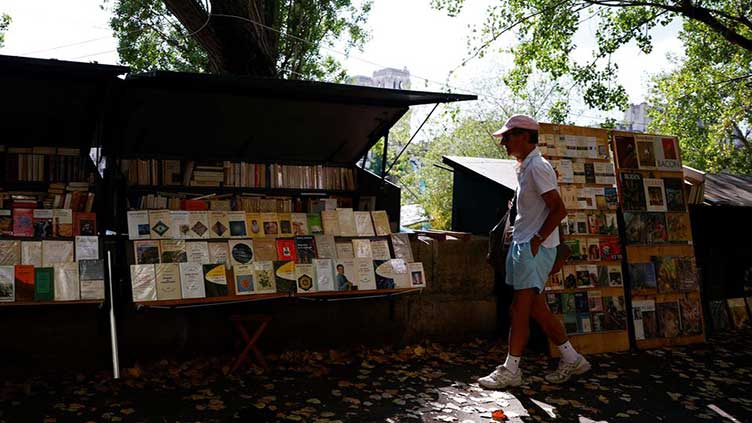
{"x": 398, "y": 137}
{"x": 4, "y": 23}
{"x": 706, "y": 102}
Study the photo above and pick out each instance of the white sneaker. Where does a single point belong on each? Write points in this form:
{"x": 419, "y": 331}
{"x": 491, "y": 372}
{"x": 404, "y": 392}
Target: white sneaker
{"x": 501, "y": 378}
{"x": 566, "y": 370}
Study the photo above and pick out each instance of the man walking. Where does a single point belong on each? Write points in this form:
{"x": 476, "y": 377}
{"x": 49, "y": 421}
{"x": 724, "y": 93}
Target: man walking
{"x": 531, "y": 256}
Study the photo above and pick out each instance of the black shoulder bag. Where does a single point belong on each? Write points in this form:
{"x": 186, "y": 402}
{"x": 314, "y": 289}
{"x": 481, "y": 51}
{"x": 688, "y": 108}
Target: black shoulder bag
{"x": 500, "y": 238}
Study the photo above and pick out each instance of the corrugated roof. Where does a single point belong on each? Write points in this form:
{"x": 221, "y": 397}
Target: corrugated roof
{"x": 500, "y": 171}
{"x": 725, "y": 189}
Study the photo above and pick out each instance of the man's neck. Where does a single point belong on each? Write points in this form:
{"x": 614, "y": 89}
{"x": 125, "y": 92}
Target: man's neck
{"x": 523, "y": 155}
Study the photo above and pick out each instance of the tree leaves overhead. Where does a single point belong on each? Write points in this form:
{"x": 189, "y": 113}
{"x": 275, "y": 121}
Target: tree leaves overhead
{"x": 270, "y": 38}
{"x": 4, "y": 22}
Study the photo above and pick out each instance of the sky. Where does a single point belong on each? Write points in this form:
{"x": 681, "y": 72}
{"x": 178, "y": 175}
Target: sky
{"x": 404, "y": 34}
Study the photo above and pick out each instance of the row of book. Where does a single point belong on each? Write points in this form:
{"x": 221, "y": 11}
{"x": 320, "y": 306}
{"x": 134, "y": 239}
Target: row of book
{"x": 666, "y": 319}
{"x": 584, "y": 276}
{"x": 657, "y": 228}
{"x": 312, "y": 177}
{"x": 47, "y": 223}
{"x": 594, "y": 249}
{"x": 42, "y": 164}
{"x": 665, "y": 274}
{"x": 589, "y": 198}
{"x": 652, "y": 194}
{"x": 48, "y": 253}
{"x": 574, "y": 172}
{"x": 648, "y": 152}
{"x": 301, "y": 250}
{"x": 212, "y": 224}
{"x": 586, "y": 312}
{"x": 573, "y": 146}
{"x": 175, "y": 281}
{"x": 179, "y": 201}
{"x": 80, "y": 280}
{"x": 600, "y": 223}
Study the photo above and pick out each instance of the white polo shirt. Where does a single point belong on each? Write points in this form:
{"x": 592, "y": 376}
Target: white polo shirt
{"x": 536, "y": 176}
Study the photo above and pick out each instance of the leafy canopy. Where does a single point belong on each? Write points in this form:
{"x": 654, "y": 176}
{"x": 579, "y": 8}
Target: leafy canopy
{"x": 4, "y": 23}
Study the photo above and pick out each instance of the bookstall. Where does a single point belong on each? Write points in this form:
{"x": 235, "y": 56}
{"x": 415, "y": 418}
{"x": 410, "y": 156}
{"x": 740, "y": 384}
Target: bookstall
{"x": 588, "y": 293}
{"x": 662, "y": 272}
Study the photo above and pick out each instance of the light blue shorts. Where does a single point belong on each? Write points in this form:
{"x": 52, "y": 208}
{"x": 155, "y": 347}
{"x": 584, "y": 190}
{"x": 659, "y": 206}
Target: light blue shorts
{"x": 525, "y": 271}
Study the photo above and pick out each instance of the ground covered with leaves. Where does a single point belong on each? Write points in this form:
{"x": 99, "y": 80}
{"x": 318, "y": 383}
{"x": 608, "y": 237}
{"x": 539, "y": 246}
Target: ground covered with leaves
{"x": 428, "y": 382}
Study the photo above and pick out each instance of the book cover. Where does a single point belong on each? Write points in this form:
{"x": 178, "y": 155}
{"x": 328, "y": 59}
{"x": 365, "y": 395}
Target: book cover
{"x": 314, "y": 223}
{"x": 43, "y": 223}
{"x": 286, "y": 250}
{"x": 160, "y": 224}
{"x": 604, "y": 173}
{"x": 344, "y": 249}
{"x": 365, "y": 277}
{"x": 197, "y": 252}
{"x": 574, "y": 247}
{"x": 584, "y": 324}
{"x": 284, "y": 276}
{"x": 173, "y": 251}
{"x": 87, "y": 248}
{"x": 305, "y": 249}
{"x": 599, "y": 321}
{"x": 199, "y": 225}
{"x": 7, "y": 283}
{"x": 305, "y": 277}
{"x": 554, "y": 303}
{"x": 362, "y": 248}
{"x": 31, "y": 253}
{"x": 589, "y": 169}
{"x": 67, "y": 283}
{"x": 62, "y": 224}
{"x": 380, "y": 249}
{"x": 24, "y": 283}
{"x": 626, "y": 152}
{"x": 325, "y": 246}
{"x": 299, "y": 224}
{"x": 44, "y": 284}
{"x": 555, "y": 280}
{"x": 642, "y": 276}
{"x": 330, "y": 222}
{"x": 265, "y": 249}
{"x": 91, "y": 276}
{"x": 219, "y": 253}
{"x": 655, "y": 194}
{"x": 417, "y": 275}
{"x": 634, "y": 228}
{"x": 215, "y": 280}
{"x": 237, "y": 224}
{"x": 568, "y": 304}
{"x": 667, "y": 313}
{"x": 255, "y": 225}
{"x": 678, "y": 228}
{"x": 581, "y": 224}
{"x": 219, "y": 226}
{"x": 241, "y": 252}
{"x": 168, "y": 281}
{"x": 84, "y": 224}
{"x": 643, "y": 317}
{"x": 615, "y": 314}
{"x": 270, "y": 223}
{"x": 6, "y": 223}
{"x": 143, "y": 282}
{"x": 655, "y": 228}
{"x": 610, "y": 248}
{"x": 565, "y": 171}
{"x": 583, "y": 277}
{"x": 401, "y": 246}
{"x": 614, "y": 275}
{"x": 632, "y": 191}
{"x": 570, "y": 323}
{"x": 391, "y": 274}
{"x": 570, "y": 276}
{"x": 346, "y": 222}
{"x": 578, "y": 172}
{"x": 10, "y": 254}
{"x": 285, "y": 225}
{"x": 345, "y": 276}
{"x": 146, "y": 251}
{"x": 191, "y": 280}
{"x": 668, "y": 155}
{"x": 667, "y": 279}
{"x": 675, "y": 194}
{"x": 23, "y": 222}
{"x": 57, "y": 252}
{"x": 581, "y": 302}
{"x": 324, "y": 274}
{"x": 646, "y": 152}
{"x": 690, "y": 316}
{"x": 602, "y": 279}
{"x": 243, "y": 274}
{"x": 686, "y": 272}
{"x": 363, "y": 223}
{"x": 586, "y": 198}
{"x": 612, "y": 198}
{"x": 595, "y": 301}
{"x": 719, "y": 315}
{"x": 593, "y": 249}
{"x": 263, "y": 277}
{"x": 608, "y": 225}
{"x": 592, "y": 224}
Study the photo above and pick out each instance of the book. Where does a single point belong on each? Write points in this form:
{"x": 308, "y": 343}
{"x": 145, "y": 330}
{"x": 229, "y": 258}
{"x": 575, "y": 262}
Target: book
{"x": 578, "y": 172}
{"x": 84, "y": 224}
{"x": 314, "y": 223}
{"x": 243, "y": 274}
{"x": 299, "y": 224}
{"x": 678, "y": 228}
{"x": 667, "y": 314}
{"x": 610, "y": 248}
{"x": 642, "y": 276}
{"x": 655, "y": 228}
{"x": 330, "y": 222}
{"x": 197, "y": 252}
{"x": 644, "y": 319}
{"x": 675, "y": 201}
{"x": 6, "y": 223}
{"x": 284, "y": 276}
{"x": 614, "y": 275}
{"x": 215, "y": 280}
{"x": 603, "y": 278}
{"x": 286, "y": 250}
{"x": 380, "y": 249}
{"x": 634, "y": 228}
{"x": 593, "y": 249}
{"x": 219, "y": 226}
{"x": 91, "y": 278}
{"x": 44, "y": 284}
{"x": 285, "y": 225}
{"x": 686, "y": 272}
{"x": 632, "y": 191}
{"x": 595, "y": 301}
{"x": 667, "y": 280}
{"x": 62, "y": 224}
{"x": 646, "y": 152}
{"x": 655, "y": 194}
{"x": 583, "y": 276}
{"x": 173, "y": 251}
{"x": 345, "y": 276}
{"x": 690, "y": 316}
{"x": 564, "y": 171}
{"x": 738, "y": 312}
{"x": 265, "y": 249}
{"x": 146, "y": 251}
{"x": 23, "y": 222}
{"x": 160, "y": 224}
{"x": 138, "y": 224}
{"x": 344, "y": 250}
{"x": 401, "y": 246}
{"x": 325, "y": 246}
{"x": 363, "y": 224}
{"x": 67, "y": 283}
{"x": 31, "y": 253}
{"x": 199, "y": 225}
{"x": 241, "y": 253}
{"x": 554, "y": 303}
{"x": 615, "y": 314}
{"x": 555, "y": 280}
{"x": 365, "y": 278}
{"x": 719, "y": 315}
{"x": 305, "y": 249}
{"x": 254, "y": 225}
{"x": 10, "y": 252}
{"x": 7, "y": 284}
{"x": 604, "y": 173}
{"x": 584, "y": 324}
{"x": 263, "y": 276}
{"x": 181, "y": 223}
{"x": 668, "y": 155}
{"x": 87, "y": 248}
{"x": 219, "y": 253}
{"x": 362, "y": 248}
{"x": 391, "y": 274}
{"x": 270, "y": 224}
{"x": 589, "y": 169}
{"x": 143, "y": 282}
{"x": 324, "y": 274}
{"x": 570, "y": 276}
{"x": 191, "y": 280}
{"x": 57, "y": 252}
{"x": 611, "y": 197}
{"x": 306, "y": 277}
{"x": 42, "y": 221}
{"x": 570, "y": 323}
{"x": 568, "y": 303}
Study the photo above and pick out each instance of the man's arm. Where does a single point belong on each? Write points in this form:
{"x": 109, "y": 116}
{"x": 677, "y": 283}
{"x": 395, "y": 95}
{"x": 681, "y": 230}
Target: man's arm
{"x": 556, "y": 213}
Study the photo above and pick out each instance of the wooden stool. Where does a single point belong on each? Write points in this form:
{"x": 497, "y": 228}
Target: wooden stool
{"x": 244, "y": 324}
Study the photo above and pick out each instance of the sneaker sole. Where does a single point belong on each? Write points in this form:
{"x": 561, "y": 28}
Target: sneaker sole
{"x": 510, "y": 385}
{"x": 578, "y": 371}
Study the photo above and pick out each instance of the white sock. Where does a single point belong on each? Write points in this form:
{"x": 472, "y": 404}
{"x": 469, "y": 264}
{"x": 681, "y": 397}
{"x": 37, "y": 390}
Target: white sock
{"x": 568, "y": 353}
{"x": 512, "y": 364}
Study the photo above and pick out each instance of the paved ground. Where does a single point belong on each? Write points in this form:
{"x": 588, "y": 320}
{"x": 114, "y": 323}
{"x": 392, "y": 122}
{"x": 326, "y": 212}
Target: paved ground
{"x": 426, "y": 383}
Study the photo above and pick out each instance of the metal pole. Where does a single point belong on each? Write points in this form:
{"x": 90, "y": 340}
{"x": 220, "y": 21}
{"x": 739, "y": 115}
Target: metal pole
{"x": 411, "y": 139}
{"x": 384, "y": 156}
{"x": 113, "y": 327}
